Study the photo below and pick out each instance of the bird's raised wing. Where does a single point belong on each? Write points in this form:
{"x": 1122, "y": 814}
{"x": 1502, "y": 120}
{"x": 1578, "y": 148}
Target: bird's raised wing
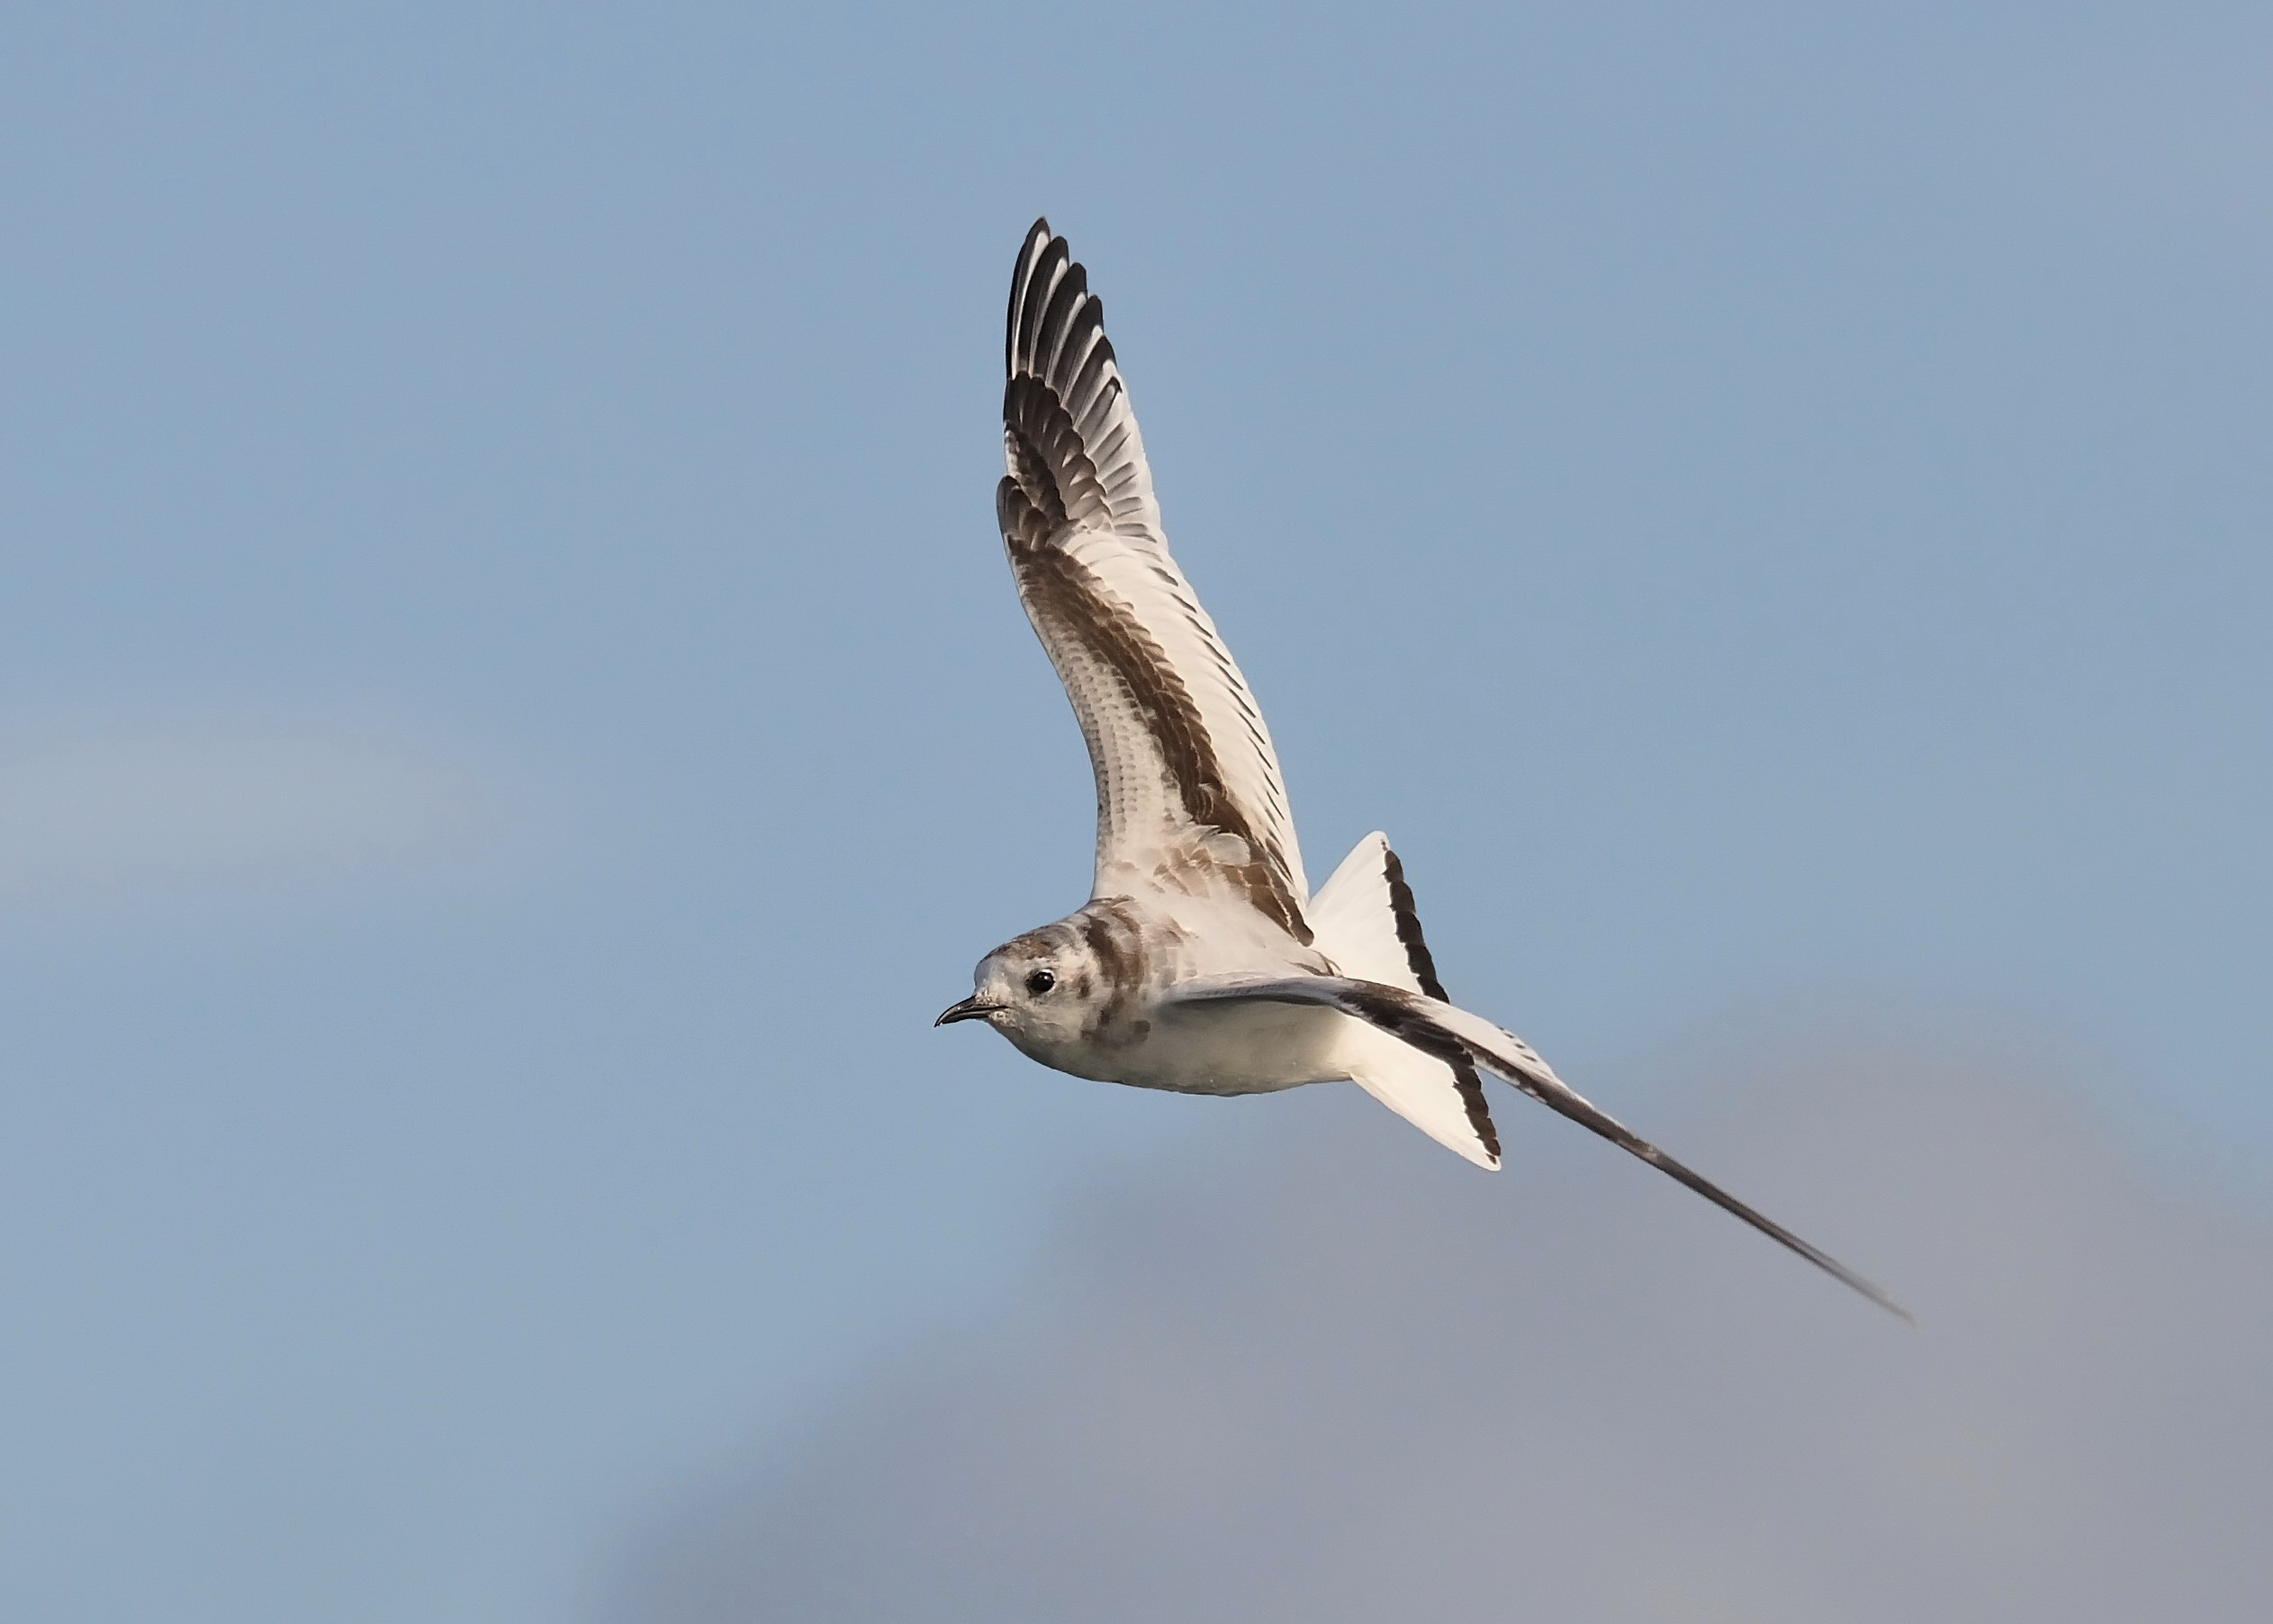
{"x": 1189, "y": 797}
{"x": 1456, "y": 1036}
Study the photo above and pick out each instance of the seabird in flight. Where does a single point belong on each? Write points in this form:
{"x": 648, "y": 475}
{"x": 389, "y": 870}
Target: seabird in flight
{"x": 1203, "y": 962}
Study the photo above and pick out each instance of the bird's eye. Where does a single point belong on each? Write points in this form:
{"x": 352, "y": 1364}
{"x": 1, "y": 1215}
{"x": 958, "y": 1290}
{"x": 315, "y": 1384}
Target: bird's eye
{"x": 1040, "y": 981}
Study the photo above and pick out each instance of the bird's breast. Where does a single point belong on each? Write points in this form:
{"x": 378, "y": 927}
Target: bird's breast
{"x": 1227, "y": 1048}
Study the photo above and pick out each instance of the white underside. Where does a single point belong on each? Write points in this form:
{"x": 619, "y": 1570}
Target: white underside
{"x": 1262, "y": 1048}
{"x": 1235, "y": 1048}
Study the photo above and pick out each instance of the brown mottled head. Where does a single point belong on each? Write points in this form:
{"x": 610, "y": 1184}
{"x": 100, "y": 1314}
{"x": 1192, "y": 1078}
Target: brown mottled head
{"x": 1059, "y": 991}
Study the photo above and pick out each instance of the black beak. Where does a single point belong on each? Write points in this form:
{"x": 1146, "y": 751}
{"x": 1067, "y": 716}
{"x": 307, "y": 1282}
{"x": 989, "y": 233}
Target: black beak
{"x": 973, "y": 1008}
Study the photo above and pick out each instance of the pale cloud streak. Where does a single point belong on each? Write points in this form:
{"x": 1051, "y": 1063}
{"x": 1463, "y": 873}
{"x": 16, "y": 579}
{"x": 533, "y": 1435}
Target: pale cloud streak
{"x": 1352, "y": 1380}
{"x": 114, "y": 806}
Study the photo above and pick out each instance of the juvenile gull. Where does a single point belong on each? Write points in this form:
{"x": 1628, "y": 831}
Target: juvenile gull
{"x": 1202, "y": 961}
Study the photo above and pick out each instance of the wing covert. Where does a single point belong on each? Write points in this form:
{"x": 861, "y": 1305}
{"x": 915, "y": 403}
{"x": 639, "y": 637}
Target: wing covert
{"x": 1189, "y": 796}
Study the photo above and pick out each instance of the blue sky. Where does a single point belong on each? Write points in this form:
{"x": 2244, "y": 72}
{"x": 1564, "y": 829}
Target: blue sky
{"x": 512, "y": 716}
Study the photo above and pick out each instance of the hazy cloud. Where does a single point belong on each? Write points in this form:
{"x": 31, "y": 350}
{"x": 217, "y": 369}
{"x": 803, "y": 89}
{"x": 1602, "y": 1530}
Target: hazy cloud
{"x": 110, "y": 804}
{"x": 1353, "y": 1380}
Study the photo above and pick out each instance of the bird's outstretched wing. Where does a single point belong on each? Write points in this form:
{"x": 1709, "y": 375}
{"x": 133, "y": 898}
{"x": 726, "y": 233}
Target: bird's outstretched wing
{"x": 1189, "y": 797}
{"x": 1456, "y": 1036}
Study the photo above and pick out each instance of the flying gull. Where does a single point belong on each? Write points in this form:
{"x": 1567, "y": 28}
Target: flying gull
{"x": 1203, "y": 962}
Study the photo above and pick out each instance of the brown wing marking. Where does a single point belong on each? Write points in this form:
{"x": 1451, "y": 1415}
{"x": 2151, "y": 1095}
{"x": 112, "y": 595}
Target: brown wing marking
{"x": 1086, "y": 620}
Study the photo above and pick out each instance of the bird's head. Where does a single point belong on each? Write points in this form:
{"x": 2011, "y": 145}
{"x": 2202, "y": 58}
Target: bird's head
{"x": 1046, "y": 991}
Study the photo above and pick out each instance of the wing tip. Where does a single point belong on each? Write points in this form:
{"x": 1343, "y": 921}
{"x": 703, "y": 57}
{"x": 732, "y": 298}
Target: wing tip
{"x": 1039, "y": 237}
{"x": 1879, "y": 1297}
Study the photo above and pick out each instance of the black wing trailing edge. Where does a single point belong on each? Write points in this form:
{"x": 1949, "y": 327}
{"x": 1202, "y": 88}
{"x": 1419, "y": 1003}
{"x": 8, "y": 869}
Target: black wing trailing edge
{"x": 1423, "y": 965}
